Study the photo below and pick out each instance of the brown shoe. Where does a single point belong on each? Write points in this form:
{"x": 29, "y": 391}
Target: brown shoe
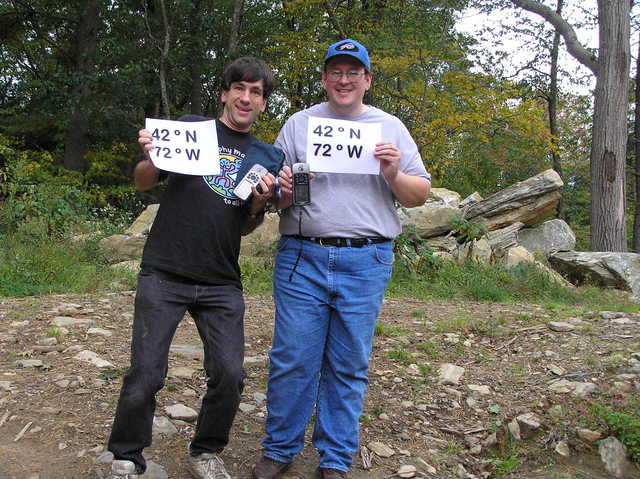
{"x": 332, "y": 474}
{"x": 269, "y": 469}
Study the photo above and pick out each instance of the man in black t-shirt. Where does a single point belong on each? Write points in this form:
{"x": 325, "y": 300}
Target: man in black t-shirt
{"x": 190, "y": 263}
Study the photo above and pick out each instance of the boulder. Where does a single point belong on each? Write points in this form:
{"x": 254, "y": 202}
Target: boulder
{"x": 123, "y": 247}
{"x": 477, "y": 250}
{"x": 446, "y": 244}
{"x": 472, "y": 199}
{"x": 143, "y": 223}
{"x": 431, "y": 219}
{"x": 549, "y": 237}
{"x": 530, "y": 202}
{"x": 613, "y": 270}
{"x": 504, "y": 238}
{"x": 516, "y": 255}
{"x": 614, "y": 457}
{"x": 445, "y": 196}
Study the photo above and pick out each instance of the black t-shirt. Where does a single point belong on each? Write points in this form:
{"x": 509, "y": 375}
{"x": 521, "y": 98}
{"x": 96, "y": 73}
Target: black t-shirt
{"x": 196, "y": 233}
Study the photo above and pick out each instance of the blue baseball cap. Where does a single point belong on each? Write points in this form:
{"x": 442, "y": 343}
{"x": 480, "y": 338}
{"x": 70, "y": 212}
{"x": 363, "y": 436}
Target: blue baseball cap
{"x": 351, "y": 48}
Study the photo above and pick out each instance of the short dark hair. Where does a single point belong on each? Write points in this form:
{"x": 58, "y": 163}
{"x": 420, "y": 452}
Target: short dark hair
{"x": 248, "y": 69}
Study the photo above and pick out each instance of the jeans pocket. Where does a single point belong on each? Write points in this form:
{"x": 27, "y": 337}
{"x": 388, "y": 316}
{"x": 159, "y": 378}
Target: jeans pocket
{"x": 384, "y": 253}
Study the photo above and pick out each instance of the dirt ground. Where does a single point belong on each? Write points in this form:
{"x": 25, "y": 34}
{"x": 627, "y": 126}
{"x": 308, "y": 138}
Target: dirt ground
{"x": 55, "y": 418}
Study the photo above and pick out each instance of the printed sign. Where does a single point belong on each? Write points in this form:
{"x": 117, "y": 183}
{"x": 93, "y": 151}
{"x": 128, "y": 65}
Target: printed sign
{"x": 342, "y": 146}
{"x": 187, "y": 147}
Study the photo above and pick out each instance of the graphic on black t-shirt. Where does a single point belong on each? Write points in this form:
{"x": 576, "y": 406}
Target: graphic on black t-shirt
{"x": 230, "y": 162}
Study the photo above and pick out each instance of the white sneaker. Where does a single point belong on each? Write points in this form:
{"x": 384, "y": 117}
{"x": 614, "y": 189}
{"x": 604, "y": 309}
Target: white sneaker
{"x": 207, "y": 466}
{"x": 123, "y": 470}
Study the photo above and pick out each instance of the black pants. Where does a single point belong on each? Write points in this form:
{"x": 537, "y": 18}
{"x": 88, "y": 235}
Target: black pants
{"x": 161, "y": 302}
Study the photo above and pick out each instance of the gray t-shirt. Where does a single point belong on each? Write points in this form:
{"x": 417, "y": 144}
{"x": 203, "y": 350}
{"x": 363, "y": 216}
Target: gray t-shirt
{"x": 347, "y": 205}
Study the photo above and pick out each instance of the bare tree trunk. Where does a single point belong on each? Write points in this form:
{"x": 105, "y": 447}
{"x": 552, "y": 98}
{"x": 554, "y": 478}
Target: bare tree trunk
{"x": 608, "y": 150}
{"x": 609, "y": 143}
{"x": 553, "y": 104}
{"x": 197, "y": 54}
{"x": 164, "y": 53}
{"x": 76, "y": 139}
{"x": 163, "y": 47}
{"x": 236, "y": 24}
{"x": 636, "y": 150}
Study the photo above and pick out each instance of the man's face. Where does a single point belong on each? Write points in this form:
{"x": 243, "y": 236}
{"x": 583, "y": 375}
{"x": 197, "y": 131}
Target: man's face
{"x": 243, "y": 102}
{"x": 345, "y": 81}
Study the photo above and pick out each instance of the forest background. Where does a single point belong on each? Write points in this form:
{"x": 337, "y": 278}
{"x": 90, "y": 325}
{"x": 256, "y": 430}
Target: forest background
{"x": 78, "y": 78}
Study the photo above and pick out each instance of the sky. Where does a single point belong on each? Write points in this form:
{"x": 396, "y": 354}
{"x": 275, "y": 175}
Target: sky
{"x": 485, "y": 28}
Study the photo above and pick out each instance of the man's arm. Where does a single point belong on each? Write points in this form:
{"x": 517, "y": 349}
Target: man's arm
{"x": 409, "y": 190}
{"x": 145, "y": 174}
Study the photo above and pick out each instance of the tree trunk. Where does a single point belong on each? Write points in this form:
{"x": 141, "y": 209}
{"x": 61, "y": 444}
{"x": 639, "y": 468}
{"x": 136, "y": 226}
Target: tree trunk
{"x": 608, "y": 150}
{"x": 636, "y": 150}
{"x": 197, "y": 48}
{"x": 76, "y": 139}
{"x": 609, "y": 137}
{"x": 236, "y": 24}
{"x": 553, "y": 104}
{"x": 164, "y": 54}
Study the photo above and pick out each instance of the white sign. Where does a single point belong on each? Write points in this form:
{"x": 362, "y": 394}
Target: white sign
{"x": 342, "y": 146}
{"x": 187, "y": 147}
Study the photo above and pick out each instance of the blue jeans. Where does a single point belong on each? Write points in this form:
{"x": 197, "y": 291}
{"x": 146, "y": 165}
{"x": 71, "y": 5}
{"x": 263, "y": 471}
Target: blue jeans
{"x": 161, "y": 302}
{"x": 325, "y": 316}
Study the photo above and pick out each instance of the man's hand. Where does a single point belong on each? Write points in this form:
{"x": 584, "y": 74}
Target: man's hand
{"x": 389, "y": 156}
{"x": 145, "y": 174}
{"x": 409, "y": 190}
{"x": 146, "y": 143}
{"x": 285, "y": 178}
{"x": 262, "y": 192}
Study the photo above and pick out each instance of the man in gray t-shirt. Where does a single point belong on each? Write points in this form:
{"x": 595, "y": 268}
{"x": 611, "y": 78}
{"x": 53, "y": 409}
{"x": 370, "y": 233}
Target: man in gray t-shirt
{"x": 333, "y": 264}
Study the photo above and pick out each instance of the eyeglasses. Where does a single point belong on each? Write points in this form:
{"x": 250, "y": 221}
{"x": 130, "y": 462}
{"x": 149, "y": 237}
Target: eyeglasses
{"x": 352, "y": 75}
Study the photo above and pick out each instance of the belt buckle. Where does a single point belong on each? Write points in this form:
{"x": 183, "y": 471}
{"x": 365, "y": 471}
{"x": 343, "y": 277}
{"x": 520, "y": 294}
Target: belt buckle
{"x": 320, "y": 242}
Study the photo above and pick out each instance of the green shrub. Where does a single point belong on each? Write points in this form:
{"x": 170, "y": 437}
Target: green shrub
{"x": 624, "y": 425}
{"x": 467, "y": 231}
{"x": 40, "y": 197}
{"x": 412, "y": 254}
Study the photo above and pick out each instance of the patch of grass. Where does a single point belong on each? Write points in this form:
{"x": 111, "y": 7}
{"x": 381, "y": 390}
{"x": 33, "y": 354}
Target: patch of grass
{"x": 506, "y": 458}
{"x": 505, "y": 465}
{"x": 495, "y": 283}
{"x": 257, "y": 274}
{"x": 451, "y": 325}
{"x": 49, "y": 265}
{"x": 400, "y": 355}
{"x": 111, "y": 374}
{"x": 454, "y": 352}
{"x": 592, "y": 361}
{"x": 487, "y": 326}
{"x": 430, "y": 348}
{"x": 383, "y": 329}
{"x": 613, "y": 362}
{"x": 426, "y": 370}
{"x": 484, "y": 355}
{"x": 465, "y": 325}
{"x": 518, "y": 369}
{"x": 54, "y": 333}
{"x": 452, "y": 448}
{"x": 377, "y": 410}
